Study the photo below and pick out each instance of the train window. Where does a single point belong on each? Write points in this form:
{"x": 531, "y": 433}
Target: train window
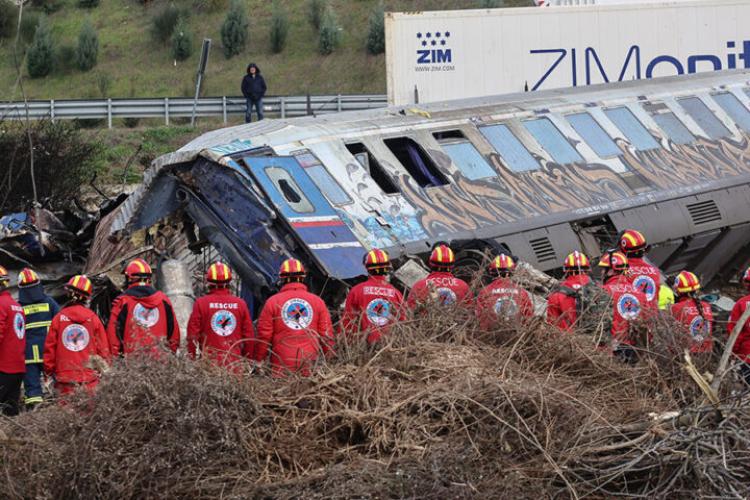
{"x": 676, "y": 131}
{"x": 468, "y": 160}
{"x": 594, "y": 135}
{"x": 703, "y": 116}
{"x": 735, "y": 109}
{"x": 631, "y": 128}
{"x": 416, "y": 162}
{"x": 515, "y": 155}
{"x": 552, "y": 140}
{"x": 289, "y": 189}
{"x": 370, "y": 163}
{"x": 322, "y": 178}
{"x": 446, "y": 135}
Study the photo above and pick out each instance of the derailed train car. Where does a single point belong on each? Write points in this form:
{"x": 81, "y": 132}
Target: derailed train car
{"x": 539, "y": 174}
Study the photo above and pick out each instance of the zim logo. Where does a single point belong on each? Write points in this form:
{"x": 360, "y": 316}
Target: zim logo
{"x": 446, "y": 296}
{"x": 646, "y": 285}
{"x": 506, "y": 307}
{"x": 223, "y": 323}
{"x": 19, "y": 326}
{"x": 75, "y": 337}
{"x": 379, "y": 312}
{"x": 628, "y": 307}
{"x": 699, "y": 328}
{"x": 296, "y": 314}
{"x": 144, "y": 316}
{"x": 433, "y": 47}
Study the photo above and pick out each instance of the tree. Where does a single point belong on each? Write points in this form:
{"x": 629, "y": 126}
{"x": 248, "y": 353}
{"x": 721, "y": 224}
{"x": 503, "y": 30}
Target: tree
{"x": 8, "y": 17}
{"x": 182, "y": 41}
{"x": 87, "y": 50}
{"x": 315, "y": 11}
{"x": 164, "y": 22}
{"x": 234, "y": 30}
{"x": 376, "y": 31}
{"x": 88, "y": 4}
{"x": 41, "y": 55}
{"x": 330, "y": 33}
{"x": 279, "y": 28}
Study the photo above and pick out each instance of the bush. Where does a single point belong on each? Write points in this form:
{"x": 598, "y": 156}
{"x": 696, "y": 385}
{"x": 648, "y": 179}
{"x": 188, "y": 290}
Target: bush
{"x": 182, "y": 41}
{"x": 48, "y": 6}
{"x": 234, "y": 29}
{"x": 330, "y": 34}
{"x": 88, "y": 4}
{"x": 164, "y": 22}
{"x": 88, "y": 47}
{"x": 103, "y": 83}
{"x": 65, "y": 58}
{"x": 8, "y": 18}
{"x": 41, "y": 56}
{"x": 490, "y": 4}
{"x": 376, "y": 31}
{"x": 279, "y": 28}
{"x": 315, "y": 12}
{"x": 210, "y": 5}
{"x": 29, "y": 23}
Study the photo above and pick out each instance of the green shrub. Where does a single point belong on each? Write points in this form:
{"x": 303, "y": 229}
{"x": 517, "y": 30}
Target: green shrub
{"x": 103, "y": 83}
{"x": 234, "y": 29}
{"x": 279, "y": 28}
{"x": 87, "y": 50}
{"x": 41, "y": 55}
{"x": 48, "y": 6}
{"x": 29, "y": 23}
{"x": 65, "y": 58}
{"x": 8, "y": 18}
{"x": 164, "y": 22}
{"x": 315, "y": 11}
{"x": 88, "y": 4}
{"x": 182, "y": 41}
{"x": 210, "y": 5}
{"x": 329, "y": 36}
{"x": 376, "y": 31}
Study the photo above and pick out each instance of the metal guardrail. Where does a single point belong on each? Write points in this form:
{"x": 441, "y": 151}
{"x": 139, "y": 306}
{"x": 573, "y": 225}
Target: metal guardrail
{"x": 174, "y": 107}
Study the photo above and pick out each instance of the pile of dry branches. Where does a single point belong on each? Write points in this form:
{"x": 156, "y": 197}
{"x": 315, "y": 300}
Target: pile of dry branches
{"x": 440, "y": 410}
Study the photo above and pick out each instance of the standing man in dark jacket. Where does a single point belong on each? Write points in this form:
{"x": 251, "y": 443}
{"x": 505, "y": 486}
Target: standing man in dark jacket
{"x": 253, "y": 88}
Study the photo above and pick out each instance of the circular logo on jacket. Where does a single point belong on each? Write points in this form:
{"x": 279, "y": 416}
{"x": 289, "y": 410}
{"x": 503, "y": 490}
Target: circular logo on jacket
{"x": 699, "y": 328}
{"x": 647, "y": 285}
{"x": 19, "y": 325}
{"x": 628, "y": 306}
{"x": 145, "y": 317}
{"x": 506, "y": 307}
{"x": 446, "y": 296}
{"x": 223, "y": 323}
{"x": 296, "y": 314}
{"x": 75, "y": 337}
{"x": 378, "y": 312}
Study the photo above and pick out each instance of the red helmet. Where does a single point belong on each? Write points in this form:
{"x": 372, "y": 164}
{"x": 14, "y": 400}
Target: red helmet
{"x": 27, "y": 277}
{"x": 503, "y": 264}
{"x": 632, "y": 241}
{"x": 4, "y": 275}
{"x": 292, "y": 268}
{"x": 377, "y": 260}
{"x": 80, "y": 285}
{"x": 686, "y": 282}
{"x": 617, "y": 261}
{"x": 576, "y": 261}
{"x": 218, "y": 272}
{"x": 138, "y": 270}
{"x": 442, "y": 256}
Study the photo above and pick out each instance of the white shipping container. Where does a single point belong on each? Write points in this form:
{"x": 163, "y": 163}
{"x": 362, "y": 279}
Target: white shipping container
{"x": 443, "y": 55}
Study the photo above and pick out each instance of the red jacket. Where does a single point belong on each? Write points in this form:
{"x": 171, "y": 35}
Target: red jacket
{"x": 372, "y": 306}
{"x": 561, "y": 307}
{"x": 699, "y": 327}
{"x": 440, "y": 287}
{"x": 629, "y": 305}
{"x": 141, "y": 318}
{"x": 503, "y": 299}
{"x": 220, "y": 324}
{"x": 742, "y": 346}
{"x": 74, "y": 335}
{"x": 296, "y": 326}
{"x": 645, "y": 278}
{"x": 12, "y": 335}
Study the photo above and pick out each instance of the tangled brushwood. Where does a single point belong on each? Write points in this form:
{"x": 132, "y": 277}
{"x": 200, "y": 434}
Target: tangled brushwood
{"x": 441, "y": 410}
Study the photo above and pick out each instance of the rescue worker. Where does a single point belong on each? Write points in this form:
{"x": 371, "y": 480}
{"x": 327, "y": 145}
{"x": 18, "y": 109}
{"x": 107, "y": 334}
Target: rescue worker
{"x": 562, "y": 310}
{"x": 440, "y": 286}
{"x": 645, "y": 277}
{"x": 220, "y": 323}
{"x": 12, "y": 348}
{"x": 373, "y": 305}
{"x": 666, "y": 297}
{"x": 628, "y": 303}
{"x": 693, "y": 313}
{"x": 39, "y": 309}
{"x": 294, "y": 324}
{"x": 142, "y": 318}
{"x": 75, "y": 336}
{"x": 741, "y": 347}
{"x": 502, "y": 299}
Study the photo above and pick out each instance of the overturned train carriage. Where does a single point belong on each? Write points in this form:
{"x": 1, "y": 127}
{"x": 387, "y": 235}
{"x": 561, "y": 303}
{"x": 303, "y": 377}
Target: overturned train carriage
{"x": 540, "y": 174}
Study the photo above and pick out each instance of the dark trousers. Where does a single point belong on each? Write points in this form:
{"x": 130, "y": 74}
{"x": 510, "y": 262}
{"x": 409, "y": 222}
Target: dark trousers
{"x": 258, "y": 103}
{"x": 32, "y": 383}
{"x": 10, "y": 393}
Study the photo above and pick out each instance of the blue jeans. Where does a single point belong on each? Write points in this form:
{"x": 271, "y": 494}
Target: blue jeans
{"x": 258, "y": 103}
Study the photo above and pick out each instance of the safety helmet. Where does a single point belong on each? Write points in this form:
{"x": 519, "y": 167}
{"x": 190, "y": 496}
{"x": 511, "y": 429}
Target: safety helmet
{"x": 576, "y": 261}
{"x": 4, "y": 278}
{"x": 218, "y": 272}
{"x": 377, "y": 261}
{"x": 616, "y": 261}
{"x": 80, "y": 285}
{"x": 686, "y": 282}
{"x": 632, "y": 241}
{"x": 502, "y": 264}
{"x": 442, "y": 257}
{"x": 138, "y": 270}
{"x": 292, "y": 268}
{"x": 27, "y": 277}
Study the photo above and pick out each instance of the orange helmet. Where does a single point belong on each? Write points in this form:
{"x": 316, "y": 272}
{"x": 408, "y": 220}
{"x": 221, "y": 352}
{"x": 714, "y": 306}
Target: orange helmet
{"x": 503, "y": 264}
{"x": 686, "y": 282}
{"x": 27, "y": 277}
{"x": 292, "y": 268}
{"x": 377, "y": 260}
{"x": 80, "y": 285}
{"x": 442, "y": 256}
{"x": 3, "y": 275}
{"x": 218, "y": 272}
{"x": 632, "y": 241}
{"x": 138, "y": 270}
{"x": 617, "y": 261}
{"x": 576, "y": 261}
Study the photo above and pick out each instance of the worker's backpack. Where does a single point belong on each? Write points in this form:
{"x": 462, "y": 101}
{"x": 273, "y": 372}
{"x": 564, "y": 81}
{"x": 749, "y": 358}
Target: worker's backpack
{"x": 594, "y": 310}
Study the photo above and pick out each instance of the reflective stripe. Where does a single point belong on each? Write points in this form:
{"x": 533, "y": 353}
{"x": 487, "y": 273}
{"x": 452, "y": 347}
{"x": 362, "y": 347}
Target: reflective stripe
{"x": 34, "y": 400}
{"x": 38, "y": 324}
{"x": 37, "y": 358}
{"x": 36, "y": 308}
